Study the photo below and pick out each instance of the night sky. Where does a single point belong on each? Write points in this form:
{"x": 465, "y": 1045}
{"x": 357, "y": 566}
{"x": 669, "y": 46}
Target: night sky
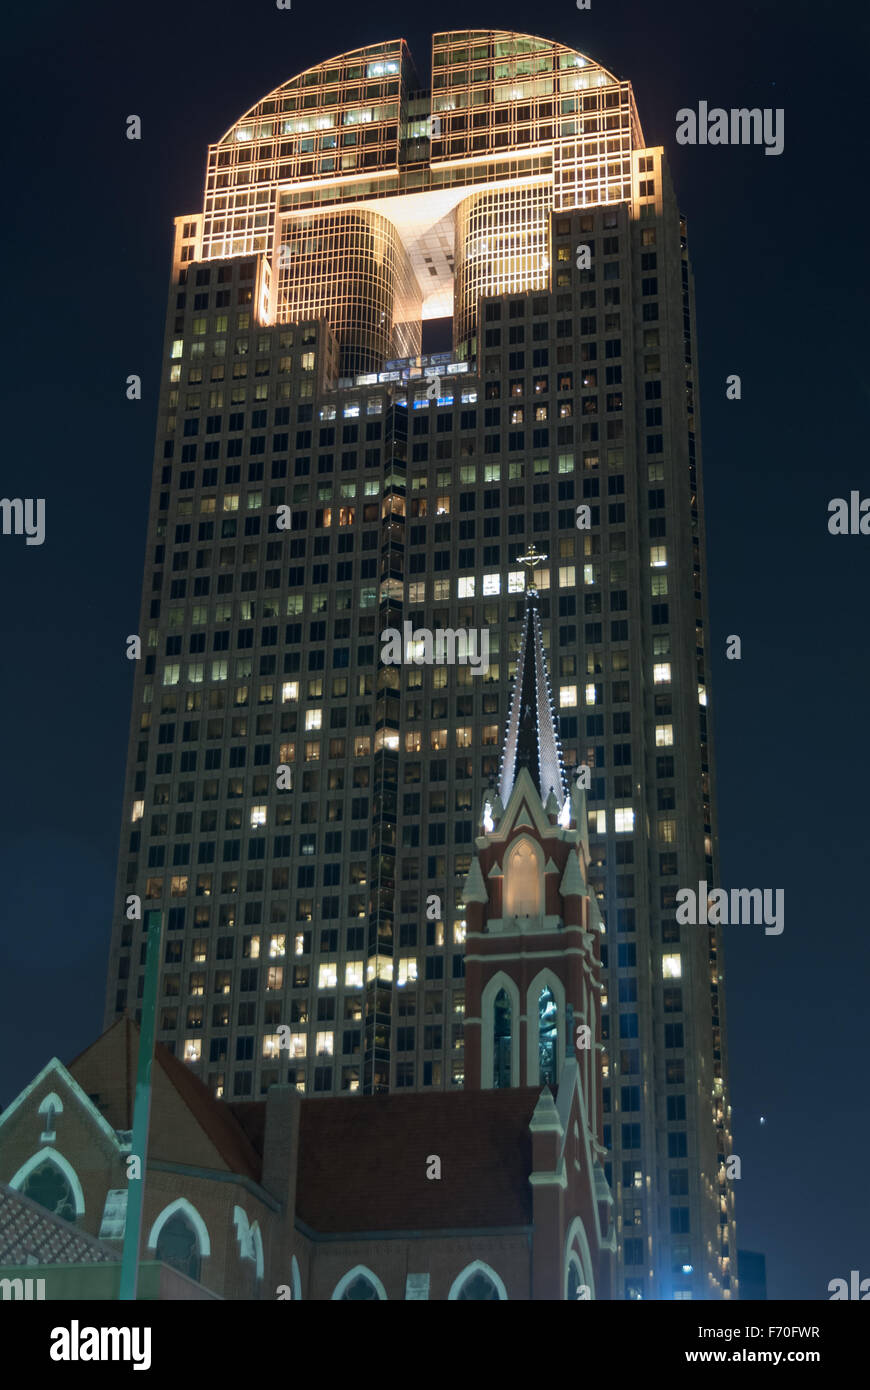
{"x": 778, "y": 246}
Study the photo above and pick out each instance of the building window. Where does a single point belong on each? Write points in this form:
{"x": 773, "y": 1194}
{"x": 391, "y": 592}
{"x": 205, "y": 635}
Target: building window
{"x": 177, "y": 1246}
{"x": 501, "y": 1067}
{"x": 547, "y": 1023}
{"x": 478, "y": 1281}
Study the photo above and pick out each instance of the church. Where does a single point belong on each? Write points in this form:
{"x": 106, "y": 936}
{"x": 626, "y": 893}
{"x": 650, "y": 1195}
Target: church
{"x": 496, "y": 1191}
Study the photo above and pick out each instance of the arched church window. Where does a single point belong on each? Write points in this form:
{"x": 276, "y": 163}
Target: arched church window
{"x": 501, "y": 1052}
{"x": 479, "y": 1286}
{"x": 523, "y": 885}
{"x": 574, "y": 1280}
{"x": 177, "y": 1245}
{"x": 547, "y": 1024}
{"x": 360, "y": 1288}
{"x": 48, "y": 1186}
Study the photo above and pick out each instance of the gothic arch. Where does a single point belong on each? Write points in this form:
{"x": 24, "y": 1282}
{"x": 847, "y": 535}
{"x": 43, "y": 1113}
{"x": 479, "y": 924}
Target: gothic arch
{"x": 57, "y": 1160}
{"x": 524, "y": 878}
{"x": 545, "y": 979}
{"x": 182, "y": 1207}
{"x": 358, "y": 1272}
{"x": 492, "y": 989}
{"x": 577, "y": 1252}
{"x": 50, "y": 1106}
{"x": 477, "y": 1267}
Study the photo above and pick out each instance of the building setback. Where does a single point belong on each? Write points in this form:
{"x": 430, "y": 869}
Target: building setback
{"x": 304, "y": 814}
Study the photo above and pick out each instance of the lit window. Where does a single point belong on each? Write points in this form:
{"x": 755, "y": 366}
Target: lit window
{"x": 171, "y": 675}
{"x": 407, "y": 970}
{"x": 568, "y": 696}
{"x": 277, "y": 946}
{"x": 289, "y": 691}
{"x": 516, "y": 582}
{"x": 192, "y": 1049}
{"x": 178, "y": 347}
{"x": 590, "y": 694}
{"x": 623, "y": 818}
{"x": 275, "y": 977}
{"x": 313, "y": 719}
{"x": 664, "y": 735}
{"x": 597, "y": 822}
{"x": 662, "y": 673}
{"x": 138, "y": 810}
{"x": 327, "y": 976}
{"x": 667, "y": 831}
{"x": 459, "y": 933}
{"x": 298, "y": 1044}
{"x": 658, "y": 556}
{"x": 659, "y": 585}
{"x": 324, "y": 1044}
{"x": 465, "y": 587}
{"x": 271, "y": 1045}
{"x": 567, "y": 576}
{"x": 702, "y": 695}
{"x": 258, "y": 816}
{"x": 672, "y": 966}
{"x": 353, "y": 974}
{"x": 492, "y": 584}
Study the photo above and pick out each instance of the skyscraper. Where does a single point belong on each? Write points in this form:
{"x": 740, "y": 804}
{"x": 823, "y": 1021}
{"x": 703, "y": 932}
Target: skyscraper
{"x": 303, "y": 810}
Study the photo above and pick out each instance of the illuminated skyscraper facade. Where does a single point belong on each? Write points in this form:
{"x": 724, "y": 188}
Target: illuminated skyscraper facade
{"x": 305, "y": 814}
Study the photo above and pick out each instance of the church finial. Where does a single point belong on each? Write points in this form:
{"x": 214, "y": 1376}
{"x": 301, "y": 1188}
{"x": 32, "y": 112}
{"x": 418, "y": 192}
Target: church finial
{"x": 532, "y": 560}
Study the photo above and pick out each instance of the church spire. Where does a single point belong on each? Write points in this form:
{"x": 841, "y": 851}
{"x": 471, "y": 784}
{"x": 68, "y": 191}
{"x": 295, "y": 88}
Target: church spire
{"x": 532, "y": 737}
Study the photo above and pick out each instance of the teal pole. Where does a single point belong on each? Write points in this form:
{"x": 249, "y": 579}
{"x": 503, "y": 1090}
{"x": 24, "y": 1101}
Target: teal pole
{"x": 141, "y": 1111}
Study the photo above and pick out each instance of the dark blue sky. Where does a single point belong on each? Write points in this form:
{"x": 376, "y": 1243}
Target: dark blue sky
{"x": 779, "y": 252}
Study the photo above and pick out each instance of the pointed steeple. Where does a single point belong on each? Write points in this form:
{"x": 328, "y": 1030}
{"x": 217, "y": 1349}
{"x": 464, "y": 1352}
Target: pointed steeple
{"x": 532, "y": 738}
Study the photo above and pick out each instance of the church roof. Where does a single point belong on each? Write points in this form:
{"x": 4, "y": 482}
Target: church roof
{"x": 532, "y": 736}
{"x": 481, "y": 1137}
{"x": 110, "y": 1064}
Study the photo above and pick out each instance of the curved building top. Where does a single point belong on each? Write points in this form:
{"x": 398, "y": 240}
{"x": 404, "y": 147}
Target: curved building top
{"x": 513, "y": 129}
{"x": 358, "y": 127}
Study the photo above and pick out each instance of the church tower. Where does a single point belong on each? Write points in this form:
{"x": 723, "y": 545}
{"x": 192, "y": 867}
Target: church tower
{"x": 533, "y": 959}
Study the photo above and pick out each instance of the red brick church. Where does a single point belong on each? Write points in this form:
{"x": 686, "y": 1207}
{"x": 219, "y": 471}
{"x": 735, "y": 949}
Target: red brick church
{"x": 496, "y": 1191}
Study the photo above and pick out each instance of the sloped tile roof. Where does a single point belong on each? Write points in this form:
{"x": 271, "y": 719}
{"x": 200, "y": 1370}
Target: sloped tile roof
{"x": 31, "y": 1235}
